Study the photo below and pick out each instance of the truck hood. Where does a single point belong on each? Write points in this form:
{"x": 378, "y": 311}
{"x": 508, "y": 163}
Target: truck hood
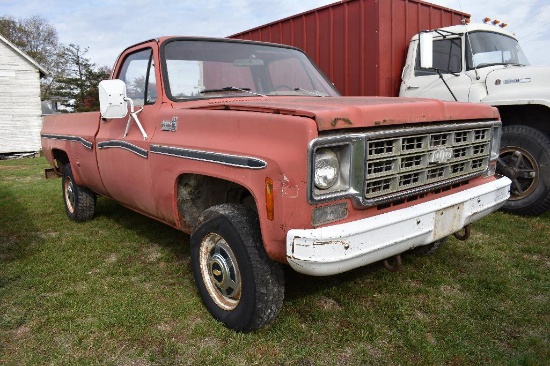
{"x": 515, "y": 85}
{"x": 331, "y": 113}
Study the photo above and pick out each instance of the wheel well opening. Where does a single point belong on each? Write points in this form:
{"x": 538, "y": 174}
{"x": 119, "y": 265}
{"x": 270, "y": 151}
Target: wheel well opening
{"x": 60, "y": 159}
{"x": 197, "y": 193}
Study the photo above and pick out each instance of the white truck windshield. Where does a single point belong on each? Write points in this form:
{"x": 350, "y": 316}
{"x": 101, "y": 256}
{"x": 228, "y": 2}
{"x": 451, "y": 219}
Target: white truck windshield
{"x": 488, "y": 48}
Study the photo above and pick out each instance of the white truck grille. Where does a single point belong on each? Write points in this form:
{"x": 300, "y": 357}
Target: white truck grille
{"x": 401, "y": 163}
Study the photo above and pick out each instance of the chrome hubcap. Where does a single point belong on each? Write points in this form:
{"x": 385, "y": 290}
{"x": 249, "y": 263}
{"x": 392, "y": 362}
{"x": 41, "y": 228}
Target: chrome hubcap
{"x": 69, "y": 194}
{"x": 220, "y": 271}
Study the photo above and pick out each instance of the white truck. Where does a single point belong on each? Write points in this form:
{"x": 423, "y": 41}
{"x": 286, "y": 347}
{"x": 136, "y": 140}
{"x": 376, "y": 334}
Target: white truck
{"x": 483, "y": 63}
{"x": 361, "y": 46}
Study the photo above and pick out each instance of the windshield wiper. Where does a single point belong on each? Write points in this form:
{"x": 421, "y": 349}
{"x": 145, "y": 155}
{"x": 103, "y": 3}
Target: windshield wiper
{"x": 315, "y": 93}
{"x": 230, "y": 88}
{"x": 490, "y": 64}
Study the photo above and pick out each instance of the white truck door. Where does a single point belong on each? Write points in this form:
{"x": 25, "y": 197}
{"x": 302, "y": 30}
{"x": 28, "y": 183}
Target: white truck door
{"x": 448, "y": 68}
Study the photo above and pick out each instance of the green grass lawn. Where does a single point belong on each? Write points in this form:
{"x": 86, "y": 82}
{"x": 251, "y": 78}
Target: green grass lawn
{"x": 119, "y": 290}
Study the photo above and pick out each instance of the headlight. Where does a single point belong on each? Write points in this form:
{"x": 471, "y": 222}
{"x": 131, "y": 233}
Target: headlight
{"x": 495, "y": 150}
{"x": 335, "y": 167}
{"x": 327, "y": 168}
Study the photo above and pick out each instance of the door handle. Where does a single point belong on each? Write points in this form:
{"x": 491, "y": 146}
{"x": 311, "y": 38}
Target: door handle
{"x": 409, "y": 87}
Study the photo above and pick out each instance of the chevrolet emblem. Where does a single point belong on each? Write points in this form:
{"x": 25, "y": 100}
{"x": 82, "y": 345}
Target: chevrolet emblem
{"x": 441, "y": 155}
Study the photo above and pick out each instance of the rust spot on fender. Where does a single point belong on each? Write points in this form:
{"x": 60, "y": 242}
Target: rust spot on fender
{"x": 341, "y": 119}
{"x": 385, "y": 121}
{"x": 288, "y": 190}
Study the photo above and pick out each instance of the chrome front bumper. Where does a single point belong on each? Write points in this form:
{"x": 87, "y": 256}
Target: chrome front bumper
{"x": 340, "y": 248}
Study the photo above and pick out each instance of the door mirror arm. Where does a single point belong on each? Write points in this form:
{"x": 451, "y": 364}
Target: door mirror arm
{"x": 134, "y": 115}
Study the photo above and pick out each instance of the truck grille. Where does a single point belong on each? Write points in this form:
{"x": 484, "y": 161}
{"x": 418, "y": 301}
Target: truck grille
{"x": 408, "y": 161}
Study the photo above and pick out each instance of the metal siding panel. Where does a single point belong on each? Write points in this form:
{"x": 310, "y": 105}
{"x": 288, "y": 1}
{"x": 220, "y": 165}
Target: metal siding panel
{"x": 393, "y": 45}
{"x": 298, "y": 33}
{"x": 436, "y": 18}
{"x": 400, "y": 39}
{"x": 385, "y": 45}
{"x": 371, "y": 24}
{"x": 311, "y": 29}
{"x": 287, "y": 32}
{"x": 355, "y": 47}
{"x": 338, "y": 52}
{"x": 324, "y": 60}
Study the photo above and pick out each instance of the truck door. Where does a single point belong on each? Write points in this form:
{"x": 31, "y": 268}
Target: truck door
{"x": 122, "y": 147}
{"x": 426, "y": 83}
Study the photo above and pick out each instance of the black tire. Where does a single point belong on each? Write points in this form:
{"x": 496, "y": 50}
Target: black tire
{"x": 239, "y": 285}
{"x": 430, "y": 248}
{"x": 525, "y": 159}
{"x": 79, "y": 201}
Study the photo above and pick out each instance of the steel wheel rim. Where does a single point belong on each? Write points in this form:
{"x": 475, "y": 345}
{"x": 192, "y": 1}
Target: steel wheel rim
{"x": 220, "y": 271}
{"x": 522, "y": 169}
{"x": 69, "y": 194}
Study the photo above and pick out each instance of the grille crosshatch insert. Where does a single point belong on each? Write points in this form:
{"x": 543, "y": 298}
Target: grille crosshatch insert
{"x": 394, "y": 164}
{"x": 411, "y": 161}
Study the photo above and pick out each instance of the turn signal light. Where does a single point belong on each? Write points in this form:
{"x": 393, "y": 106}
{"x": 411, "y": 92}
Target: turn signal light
{"x": 269, "y": 199}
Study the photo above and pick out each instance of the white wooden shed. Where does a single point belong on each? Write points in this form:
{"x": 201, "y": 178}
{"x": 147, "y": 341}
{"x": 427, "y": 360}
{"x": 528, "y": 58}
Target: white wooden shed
{"x": 20, "y": 108}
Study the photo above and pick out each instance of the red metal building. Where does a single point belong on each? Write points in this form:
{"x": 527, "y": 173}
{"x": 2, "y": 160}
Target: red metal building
{"x": 359, "y": 44}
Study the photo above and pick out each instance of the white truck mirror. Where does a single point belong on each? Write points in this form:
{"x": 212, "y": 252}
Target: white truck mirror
{"x": 112, "y": 99}
{"x": 426, "y": 50}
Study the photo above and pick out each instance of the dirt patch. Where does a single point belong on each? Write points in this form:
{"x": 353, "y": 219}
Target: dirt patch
{"x": 327, "y": 303}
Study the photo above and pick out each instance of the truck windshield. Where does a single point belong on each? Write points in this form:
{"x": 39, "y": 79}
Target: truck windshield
{"x": 197, "y": 69}
{"x": 489, "y": 48}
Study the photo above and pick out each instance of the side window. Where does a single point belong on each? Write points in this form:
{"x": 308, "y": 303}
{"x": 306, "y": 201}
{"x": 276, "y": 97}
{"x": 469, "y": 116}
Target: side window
{"x": 138, "y": 72}
{"x": 447, "y": 57}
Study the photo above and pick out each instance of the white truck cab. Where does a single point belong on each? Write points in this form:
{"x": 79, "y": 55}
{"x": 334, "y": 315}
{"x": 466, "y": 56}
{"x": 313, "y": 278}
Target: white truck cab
{"x": 482, "y": 63}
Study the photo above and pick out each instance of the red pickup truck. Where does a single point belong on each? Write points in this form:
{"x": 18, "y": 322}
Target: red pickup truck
{"x": 251, "y": 150}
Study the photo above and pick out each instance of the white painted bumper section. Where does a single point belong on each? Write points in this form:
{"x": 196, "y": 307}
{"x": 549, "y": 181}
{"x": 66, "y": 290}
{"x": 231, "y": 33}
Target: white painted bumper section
{"x": 339, "y": 248}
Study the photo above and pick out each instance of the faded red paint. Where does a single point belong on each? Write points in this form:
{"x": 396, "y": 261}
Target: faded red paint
{"x": 357, "y": 112}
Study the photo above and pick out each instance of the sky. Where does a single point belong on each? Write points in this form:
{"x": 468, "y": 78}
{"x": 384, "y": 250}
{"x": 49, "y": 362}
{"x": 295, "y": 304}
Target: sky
{"x": 107, "y": 27}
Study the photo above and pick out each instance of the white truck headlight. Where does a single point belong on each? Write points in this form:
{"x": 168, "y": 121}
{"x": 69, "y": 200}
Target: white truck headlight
{"x": 495, "y": 142}
{"x": 327, "y": 168}
{"x": 495, "y": 149}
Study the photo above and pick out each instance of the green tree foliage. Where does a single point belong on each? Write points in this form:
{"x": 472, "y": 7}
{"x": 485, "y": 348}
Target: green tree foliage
{"x": 72, "y": 78}
{"x": 77, "y": 87}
